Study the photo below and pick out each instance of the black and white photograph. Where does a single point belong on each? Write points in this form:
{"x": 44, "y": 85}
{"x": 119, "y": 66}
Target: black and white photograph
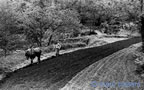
{"x": 71, "y": 44}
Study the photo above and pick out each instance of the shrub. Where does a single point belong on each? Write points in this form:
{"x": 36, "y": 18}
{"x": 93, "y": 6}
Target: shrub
{"x": 75, "y": 40}
{"x": 72, "y": 45}
{"x": 48, "y": 49}
{"x": 64, "y": 46}
{"x": 10, "y": 61}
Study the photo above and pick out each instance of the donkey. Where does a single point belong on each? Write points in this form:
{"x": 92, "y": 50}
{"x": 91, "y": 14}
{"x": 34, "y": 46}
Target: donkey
{"x": 32, "y": 53}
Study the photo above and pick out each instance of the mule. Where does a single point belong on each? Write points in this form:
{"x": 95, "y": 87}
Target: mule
{"x": 32, "y": 53}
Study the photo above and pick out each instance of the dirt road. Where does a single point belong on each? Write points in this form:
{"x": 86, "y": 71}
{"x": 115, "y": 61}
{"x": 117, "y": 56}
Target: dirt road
{"x": 54, "y": 73}
{"x": 115, "y": 72}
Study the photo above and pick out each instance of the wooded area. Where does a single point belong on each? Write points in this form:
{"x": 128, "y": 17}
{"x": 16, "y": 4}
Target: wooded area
{"x": 40, "y": 22}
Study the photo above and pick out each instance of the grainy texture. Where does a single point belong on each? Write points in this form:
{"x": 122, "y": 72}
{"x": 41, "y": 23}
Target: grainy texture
{"x": 53, "y": 74}
{"x": 118, "y": 67}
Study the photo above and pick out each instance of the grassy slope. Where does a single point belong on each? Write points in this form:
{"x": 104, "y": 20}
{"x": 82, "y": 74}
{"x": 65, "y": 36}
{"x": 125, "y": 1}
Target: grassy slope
{"x": 14, "y": 60}
{"x": 8, "y": 63}
{"x": 55, "y": 73}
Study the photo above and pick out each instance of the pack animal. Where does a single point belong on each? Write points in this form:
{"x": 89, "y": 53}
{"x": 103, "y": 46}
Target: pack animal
{"x": 32, "y": 53}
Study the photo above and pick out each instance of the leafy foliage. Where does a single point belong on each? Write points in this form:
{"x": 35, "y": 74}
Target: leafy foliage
{"x": 44, "y": 21}
{"x": 37, "y": 20}
{"x": 7, "y": 28}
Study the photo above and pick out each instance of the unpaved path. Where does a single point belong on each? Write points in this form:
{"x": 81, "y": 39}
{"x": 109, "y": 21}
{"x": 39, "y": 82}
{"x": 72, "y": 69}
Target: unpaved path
{"x": 54, "y": 73}
{"x": 118, "y": 67}
{"x": 94, "y": 42}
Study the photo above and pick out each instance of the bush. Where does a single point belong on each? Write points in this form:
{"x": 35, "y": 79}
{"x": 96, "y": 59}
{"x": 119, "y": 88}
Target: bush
{"x": 75, "y": 40}
{"x": 64, "y": 46}
{"x": 72, "y": 45}
{"x": 67, "y": 44}
{"x": 98, "y": 43}
{"x": 48, "y": 49}
{"x": 12, "y": 60}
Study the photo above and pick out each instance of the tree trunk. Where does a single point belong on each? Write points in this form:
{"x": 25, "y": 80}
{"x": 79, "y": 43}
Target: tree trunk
{"x": 142, "y": 31}
{"x": 40, "y": 42}
{"x": 141, "y": 2}
{"x": 49, "y": 41}
{"x": 142, "y": 25}
{"x": 5, "y": 52}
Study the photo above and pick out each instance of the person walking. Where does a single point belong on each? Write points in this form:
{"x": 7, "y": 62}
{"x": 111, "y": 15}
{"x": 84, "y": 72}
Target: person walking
{"x": 57, "y": 47}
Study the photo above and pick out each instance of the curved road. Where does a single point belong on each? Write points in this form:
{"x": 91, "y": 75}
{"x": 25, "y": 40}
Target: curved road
{"x": 56, "y": 72}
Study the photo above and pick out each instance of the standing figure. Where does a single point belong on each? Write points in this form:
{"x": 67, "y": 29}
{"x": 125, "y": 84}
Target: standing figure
{"x": 32, "y": 53}
{"x": 57, "y": 48}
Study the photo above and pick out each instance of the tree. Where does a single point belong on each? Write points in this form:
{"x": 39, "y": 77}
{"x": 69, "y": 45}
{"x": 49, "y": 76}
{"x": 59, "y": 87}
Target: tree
{"x": 63, "y": 21}
{"x": 7, "y": 28}
{"x": 37, "y": 18}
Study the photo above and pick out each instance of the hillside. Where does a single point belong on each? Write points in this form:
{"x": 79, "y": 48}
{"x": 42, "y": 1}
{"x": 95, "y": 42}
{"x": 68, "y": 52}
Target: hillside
{"x": 18, "y": 60}
{"x": 88, "y": 31}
